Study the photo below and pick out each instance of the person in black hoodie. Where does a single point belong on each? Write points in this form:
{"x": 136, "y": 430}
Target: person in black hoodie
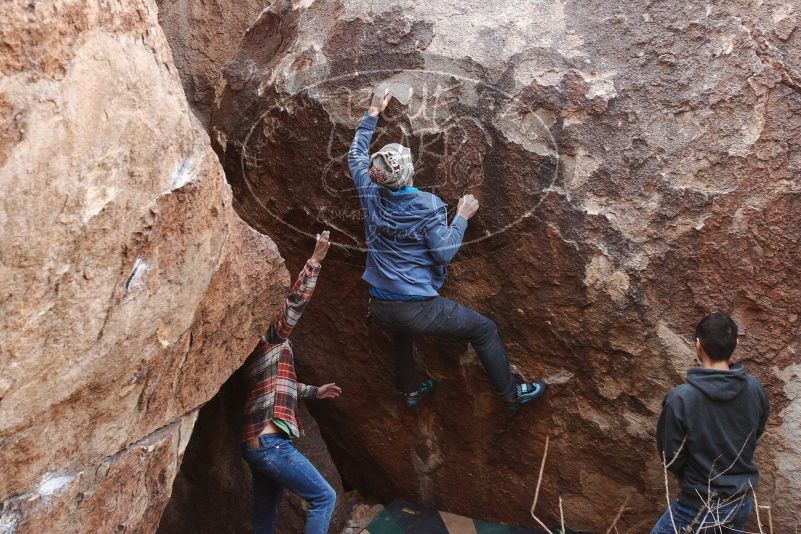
{"x": 707, "y": 434}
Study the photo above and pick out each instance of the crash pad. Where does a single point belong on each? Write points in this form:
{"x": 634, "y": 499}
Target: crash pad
{"x": 403, "y": 517}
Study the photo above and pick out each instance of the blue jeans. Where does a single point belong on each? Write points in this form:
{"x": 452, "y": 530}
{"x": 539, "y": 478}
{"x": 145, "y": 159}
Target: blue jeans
{"x": 442, "y": 318}
{"x": 276, "y": 465}
{"x": 726, "y": 519}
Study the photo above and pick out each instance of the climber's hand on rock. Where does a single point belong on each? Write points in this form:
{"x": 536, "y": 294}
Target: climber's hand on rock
{"x": 468, "y": 206}
{"x": 381, "y": 98}
{"x": 320, "y": 249}
{"x": 328, "y": 391}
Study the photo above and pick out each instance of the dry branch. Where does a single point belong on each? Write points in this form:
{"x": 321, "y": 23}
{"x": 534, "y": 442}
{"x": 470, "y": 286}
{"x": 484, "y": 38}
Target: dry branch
{"x": 613, "y": 526}
{"x": 539, "y": 483}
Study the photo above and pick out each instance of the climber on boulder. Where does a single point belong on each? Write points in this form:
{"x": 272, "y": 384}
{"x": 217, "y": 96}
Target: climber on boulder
{"x": 409, "y": 244}
{"x": 271, "y": 420}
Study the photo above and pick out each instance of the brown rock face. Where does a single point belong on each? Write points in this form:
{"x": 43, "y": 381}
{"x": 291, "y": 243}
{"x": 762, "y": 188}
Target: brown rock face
{"x": 204, "y": 34}
{"x": 130, "y": 289}
{"x": 637, "y": 168}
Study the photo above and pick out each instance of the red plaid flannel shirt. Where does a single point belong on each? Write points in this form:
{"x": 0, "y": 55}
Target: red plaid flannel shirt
{"x": 273, "y": 389}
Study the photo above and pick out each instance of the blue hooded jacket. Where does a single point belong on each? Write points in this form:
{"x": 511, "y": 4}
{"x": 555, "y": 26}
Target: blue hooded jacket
{"x": 409, "y": 242}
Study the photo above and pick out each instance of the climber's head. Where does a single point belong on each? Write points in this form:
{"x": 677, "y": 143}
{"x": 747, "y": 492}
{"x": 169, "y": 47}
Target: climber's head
{"x": 392, "y": 166}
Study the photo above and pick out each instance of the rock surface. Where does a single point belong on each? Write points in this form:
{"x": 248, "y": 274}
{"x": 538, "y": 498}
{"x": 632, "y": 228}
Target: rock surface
{"x": 204, "y": 34}
{"x": 637, "y": 167}
{"x": 130, "y": 288}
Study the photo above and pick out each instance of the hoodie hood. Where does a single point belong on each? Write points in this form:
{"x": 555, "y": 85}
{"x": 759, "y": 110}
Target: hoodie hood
{"x": 719, "y": 385}
{"x": 401, "y": 215}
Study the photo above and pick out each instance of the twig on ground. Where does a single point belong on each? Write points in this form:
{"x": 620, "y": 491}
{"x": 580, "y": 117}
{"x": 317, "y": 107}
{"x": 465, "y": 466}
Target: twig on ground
{"x": 756, "y": 507}
{"x": 542, "y": 469}
{"x": 617, "y": 517}
{"x": 539, "y": 483}
{"x": 667, "y": 496}
{"x": 665, "y": 464}
{"x": 543, "y": 525}
{"x": 770, "y": 518}
{"x": 561, "y": 515}
{"x": 747, "y": 439}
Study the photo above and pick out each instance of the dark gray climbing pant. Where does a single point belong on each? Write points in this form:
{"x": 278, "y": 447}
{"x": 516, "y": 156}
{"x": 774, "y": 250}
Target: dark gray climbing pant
{"x": 442, "y": 318}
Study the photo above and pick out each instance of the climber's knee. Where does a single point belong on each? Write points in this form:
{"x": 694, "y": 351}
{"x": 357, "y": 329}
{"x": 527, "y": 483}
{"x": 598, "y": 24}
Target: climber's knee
{"x": 486, "y": 328}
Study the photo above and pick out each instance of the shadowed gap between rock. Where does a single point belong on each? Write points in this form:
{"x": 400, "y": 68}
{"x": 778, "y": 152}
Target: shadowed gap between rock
{"x": 212, "y": 491}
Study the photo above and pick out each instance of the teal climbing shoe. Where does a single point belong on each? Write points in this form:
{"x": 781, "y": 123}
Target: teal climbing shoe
{"x": 423, "y": 390}
{"x": 525, "y": 393}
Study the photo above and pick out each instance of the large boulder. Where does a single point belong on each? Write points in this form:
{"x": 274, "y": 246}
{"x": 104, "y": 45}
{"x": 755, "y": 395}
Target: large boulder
{"x": 637, "y": 166}
{"x": 204, "y": 34}
{"x": 130, "y": 288}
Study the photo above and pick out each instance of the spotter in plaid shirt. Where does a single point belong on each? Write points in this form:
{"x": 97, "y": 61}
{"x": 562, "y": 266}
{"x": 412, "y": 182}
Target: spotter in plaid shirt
{"x": 273, "y": 388}
{"x": 271, "y": 420}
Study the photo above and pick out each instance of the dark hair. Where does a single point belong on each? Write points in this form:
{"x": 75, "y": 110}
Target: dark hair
{"x": 718, "y": 336}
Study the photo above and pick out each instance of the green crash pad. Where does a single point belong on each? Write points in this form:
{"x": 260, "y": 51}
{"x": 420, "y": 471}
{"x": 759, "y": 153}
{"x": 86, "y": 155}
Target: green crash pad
{"x": 402, "y": 517}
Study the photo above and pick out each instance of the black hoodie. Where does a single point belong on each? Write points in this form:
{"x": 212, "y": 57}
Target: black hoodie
{"x": 719, "y": 415}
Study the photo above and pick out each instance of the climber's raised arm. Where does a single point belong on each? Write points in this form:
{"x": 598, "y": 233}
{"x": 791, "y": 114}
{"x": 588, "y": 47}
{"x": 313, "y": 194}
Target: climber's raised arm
{"x": 358, "y": 158}
{"x": 271, "y": 421}
{"x": 290, "y": 311}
